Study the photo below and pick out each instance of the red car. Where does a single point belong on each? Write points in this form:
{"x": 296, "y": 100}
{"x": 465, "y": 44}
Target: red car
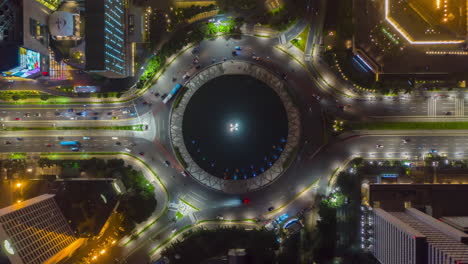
{"x": 49, "y": 145}
{"x": 17, "y": 118}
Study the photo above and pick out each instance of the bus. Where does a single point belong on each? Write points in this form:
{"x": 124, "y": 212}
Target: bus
{"x": 172, "y": 93}
{"x": 70, "y": 143}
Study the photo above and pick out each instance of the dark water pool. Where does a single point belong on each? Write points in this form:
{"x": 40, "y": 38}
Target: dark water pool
{"x": 235, "y": 127}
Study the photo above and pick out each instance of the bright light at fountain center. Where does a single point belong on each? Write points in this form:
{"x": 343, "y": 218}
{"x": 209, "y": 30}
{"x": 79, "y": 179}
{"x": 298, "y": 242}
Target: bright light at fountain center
{"x": 233, "y": 127}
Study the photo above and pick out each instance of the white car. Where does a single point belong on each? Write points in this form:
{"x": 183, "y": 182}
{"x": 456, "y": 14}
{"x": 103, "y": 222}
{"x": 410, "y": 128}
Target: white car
{"x": 379, "y": 146}
{"x": 115, "y": 138}
{"x": 128, "y": 150}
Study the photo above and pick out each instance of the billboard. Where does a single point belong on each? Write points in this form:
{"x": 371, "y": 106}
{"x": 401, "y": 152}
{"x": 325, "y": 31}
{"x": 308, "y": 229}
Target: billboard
{"x": 29, "y": 64}
{"x": 29, "y": 59}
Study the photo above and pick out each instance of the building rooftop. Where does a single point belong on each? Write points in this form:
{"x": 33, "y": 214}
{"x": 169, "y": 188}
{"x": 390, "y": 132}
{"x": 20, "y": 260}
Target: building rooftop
{"x": 458, "y": 222}
{"x": 436, "y": 199}
{"x": 34, "y": 231}
{"x": 436, "y": 235}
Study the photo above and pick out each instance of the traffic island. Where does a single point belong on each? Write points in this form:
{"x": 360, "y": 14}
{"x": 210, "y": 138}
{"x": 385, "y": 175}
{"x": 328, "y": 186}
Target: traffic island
{"x": 236, "y": 126}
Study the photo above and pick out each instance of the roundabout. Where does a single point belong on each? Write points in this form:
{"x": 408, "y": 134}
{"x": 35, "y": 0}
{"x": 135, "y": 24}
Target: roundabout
{"x": 235, "y": 127}
{"x": 164, "y": 150}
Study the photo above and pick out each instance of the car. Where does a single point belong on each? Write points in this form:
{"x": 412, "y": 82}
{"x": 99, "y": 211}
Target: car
{"x": 271, "y": 208}
{"x": 184, "y": 173}
{"x": 17, "y": 118}
{"x": 186, "y": 76}
{"x": 238, "y": 47}
{"x": 7, "y": 142}
{"x": 118, "y": 143}
{"x": 379, "y": 146}
{"x": 219, "y": 217}
{"x": 60, "y": 138}
{"x": 198, "y": 66}
{"x": 128, "y": 150}
{"x": 75, "y": 149}
{"x": 109, "y": 113}
{"x": 406, "y": 140}
{"x": 96, "y": 113}
{"x": 167, "y": 163}
{"x": 156, "y": 94}
{"x": 141, "y": 153}
{"x": 164, "y": 96}
{"x": 19, "y": 138}
{"x": 49, "y": 145}
{"x": 234, "y": 53}
{"x": 86, "y": 138}
{"x": 38, "y": 114}
{"x": 115, "y": 138}
{"x": 27, "y": 115}
{"x": 95, "y": 118}
{"x": 115, "y": 117}
{"x": 433, "y": 150}
{"x": 144, "y": 103}
{"x": 70, "y": 110}
{"x": 57, "y": 113}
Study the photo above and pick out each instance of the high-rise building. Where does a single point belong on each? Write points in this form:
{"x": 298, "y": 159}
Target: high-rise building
{"x": 35, "y": 231}
{"x": 107, "y": 51}
{"x": 24, "y": 37}
{"x": 413, "y": 237}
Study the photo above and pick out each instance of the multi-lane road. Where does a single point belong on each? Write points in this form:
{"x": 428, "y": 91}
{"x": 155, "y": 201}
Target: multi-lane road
{"x": 316, "y": 161}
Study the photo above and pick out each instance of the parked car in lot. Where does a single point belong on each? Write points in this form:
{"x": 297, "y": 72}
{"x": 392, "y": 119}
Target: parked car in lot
{"x": 167, "y": 163}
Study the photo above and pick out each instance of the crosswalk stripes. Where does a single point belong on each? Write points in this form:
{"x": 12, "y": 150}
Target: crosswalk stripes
{"x": 431, "y": 107}
{"x": 459, "y": 107}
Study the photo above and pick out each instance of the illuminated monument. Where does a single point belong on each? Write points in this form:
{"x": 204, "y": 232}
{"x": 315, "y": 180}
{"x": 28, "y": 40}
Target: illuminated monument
{"x": 35, "y": 231}
{"x": 429, "y": 22}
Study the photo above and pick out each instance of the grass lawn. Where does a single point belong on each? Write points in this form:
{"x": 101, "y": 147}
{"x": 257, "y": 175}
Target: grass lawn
{"x": 408, "y": 125}
{"x": 301, "y": 40}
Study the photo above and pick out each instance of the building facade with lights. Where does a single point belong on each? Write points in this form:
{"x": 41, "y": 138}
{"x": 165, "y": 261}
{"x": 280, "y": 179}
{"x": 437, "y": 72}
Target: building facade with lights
{"x": 413, "y": 237}
{"x": 35, "y": 231}
{"x": 24, "y": 40}
{"x": 107, "y": 49}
